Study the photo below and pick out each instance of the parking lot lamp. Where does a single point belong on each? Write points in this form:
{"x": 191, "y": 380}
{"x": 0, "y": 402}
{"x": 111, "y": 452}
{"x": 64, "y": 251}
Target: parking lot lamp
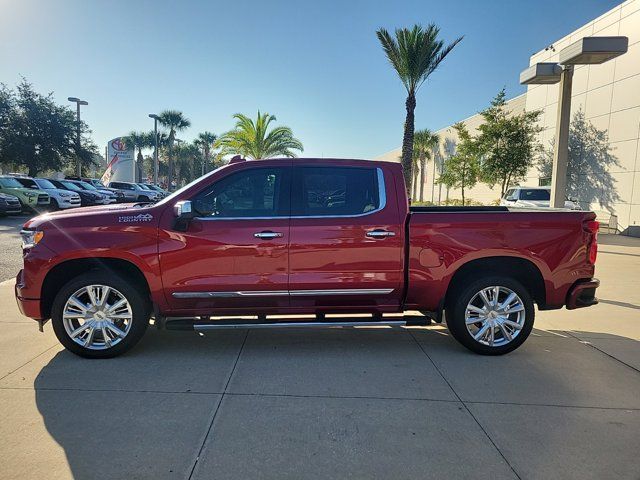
{"x": 155, "y": 152}
{"x": 78, "y": 102}
{"x": 586, "y": 51}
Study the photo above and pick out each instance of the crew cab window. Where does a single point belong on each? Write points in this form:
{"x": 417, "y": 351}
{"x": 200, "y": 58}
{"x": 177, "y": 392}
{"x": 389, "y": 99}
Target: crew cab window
{"x": 332, "y": 191}
{"x": 259, "y": 192}
{"x": 535, "y": 194}
{"x": 121, "y": 186}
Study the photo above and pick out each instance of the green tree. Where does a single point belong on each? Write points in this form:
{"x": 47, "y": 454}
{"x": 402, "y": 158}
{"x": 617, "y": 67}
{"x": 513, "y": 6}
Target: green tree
{"x": 591, "y": 159}
{"x": 461, "y": 170}
{"x": 206, "y": 141}
{"x": 38, "y": 135}
{"x": 140, "y": 140}
{"x": 507, "y": 143}
{"x": 254, "y": 139}
{"x": 187, "y": 161}
{"x": 174, "y": 121}
{"x": 414, "y": 54}
{"x": 424, "y": 143}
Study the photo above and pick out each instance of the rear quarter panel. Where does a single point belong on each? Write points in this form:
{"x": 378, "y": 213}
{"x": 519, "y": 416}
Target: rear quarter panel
{"x": 441, "y": 243}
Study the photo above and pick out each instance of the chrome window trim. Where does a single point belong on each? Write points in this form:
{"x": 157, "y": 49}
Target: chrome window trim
{"x": 382, "y": 198}
{"x": 282, "y": 293}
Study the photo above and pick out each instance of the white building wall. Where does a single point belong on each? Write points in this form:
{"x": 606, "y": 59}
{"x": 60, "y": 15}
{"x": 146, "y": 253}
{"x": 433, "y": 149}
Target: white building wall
{"x": 609, "y": 96}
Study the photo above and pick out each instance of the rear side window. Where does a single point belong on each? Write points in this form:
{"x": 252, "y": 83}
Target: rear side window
{"x": 258, "y": 192}
{"x": 335, "y": 191}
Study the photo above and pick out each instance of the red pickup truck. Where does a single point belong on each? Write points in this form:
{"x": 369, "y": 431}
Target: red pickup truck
{"x": 301, "y": 237}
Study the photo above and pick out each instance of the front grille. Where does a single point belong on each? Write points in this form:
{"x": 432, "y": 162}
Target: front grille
{"x": 75, "y": 200}
{"x": 12, "y": 202}
{"x": 43, "y": 198}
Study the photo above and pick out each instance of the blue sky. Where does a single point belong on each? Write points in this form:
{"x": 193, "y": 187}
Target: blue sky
{"x": 316, "y": 65}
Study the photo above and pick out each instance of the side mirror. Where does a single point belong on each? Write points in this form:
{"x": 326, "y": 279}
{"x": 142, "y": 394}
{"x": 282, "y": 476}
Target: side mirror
{"x": 183, "y": 211}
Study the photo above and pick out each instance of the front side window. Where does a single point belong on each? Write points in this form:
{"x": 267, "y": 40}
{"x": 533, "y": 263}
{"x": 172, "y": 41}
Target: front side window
{"x": 259, "y": 192}
{"x": 335, "y": 191}
{"x": 510, "y": 195}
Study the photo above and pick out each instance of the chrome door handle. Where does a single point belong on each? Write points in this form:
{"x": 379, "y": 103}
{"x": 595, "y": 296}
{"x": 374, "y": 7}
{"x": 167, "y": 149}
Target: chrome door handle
{"x": 267, "y": 235}
{"x": 380, "y": 234}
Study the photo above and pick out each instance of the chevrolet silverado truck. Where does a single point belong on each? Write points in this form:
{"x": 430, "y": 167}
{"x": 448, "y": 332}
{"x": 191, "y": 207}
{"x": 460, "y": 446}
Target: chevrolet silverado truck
{"x": 316, "y": 239}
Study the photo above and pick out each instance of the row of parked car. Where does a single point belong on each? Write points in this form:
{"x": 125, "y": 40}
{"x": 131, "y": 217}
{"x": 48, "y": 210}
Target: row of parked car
{"x": 20, "y": 193}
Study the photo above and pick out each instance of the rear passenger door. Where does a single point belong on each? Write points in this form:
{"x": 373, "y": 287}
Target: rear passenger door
{"x": 345, "y": 247}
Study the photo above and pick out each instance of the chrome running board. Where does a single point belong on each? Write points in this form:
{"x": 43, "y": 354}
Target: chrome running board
{"x": 188, "y": 323}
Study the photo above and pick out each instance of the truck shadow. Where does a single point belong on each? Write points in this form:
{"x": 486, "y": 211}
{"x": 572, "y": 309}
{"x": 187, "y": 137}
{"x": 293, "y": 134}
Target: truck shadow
{"x": 146, "y": 413}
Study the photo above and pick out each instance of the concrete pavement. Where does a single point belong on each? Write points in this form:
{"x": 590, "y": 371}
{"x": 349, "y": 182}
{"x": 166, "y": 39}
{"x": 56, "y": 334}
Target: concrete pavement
{"x": 334, "y": 403}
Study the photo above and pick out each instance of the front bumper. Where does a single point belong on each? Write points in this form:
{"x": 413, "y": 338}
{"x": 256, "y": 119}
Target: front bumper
{"x": 29, "y": 307}
{"x": 10, "y": 208}
{"x": 583, "y": 294}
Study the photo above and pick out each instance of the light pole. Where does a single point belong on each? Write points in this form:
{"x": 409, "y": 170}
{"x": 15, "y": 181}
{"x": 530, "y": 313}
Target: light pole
{"x": 155, "y": 152}
{"x": 78, "y": 102}
{"x": 586, "y": 51}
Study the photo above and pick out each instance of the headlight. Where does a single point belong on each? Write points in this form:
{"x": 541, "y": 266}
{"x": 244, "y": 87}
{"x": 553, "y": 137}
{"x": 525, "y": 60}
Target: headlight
{"x": 31, "y": 195}
{"x": 65, "y": 195}
{"x": 30, "y": 238}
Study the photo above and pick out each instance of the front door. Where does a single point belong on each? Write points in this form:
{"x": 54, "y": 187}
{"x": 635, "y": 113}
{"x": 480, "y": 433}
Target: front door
{"x": 346, "y": 238}
{"x": 234, "y": 254}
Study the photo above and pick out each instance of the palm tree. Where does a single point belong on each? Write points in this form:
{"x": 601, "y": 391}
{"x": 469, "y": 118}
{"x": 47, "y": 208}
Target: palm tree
{"x": 174, "y": 121}
{"x": 206, "y": 141}
{"x": 254, "y": 140}
{"x": 414, "y": 54}
{"x": 424, "y": 143}
{"x": 139, "y": 140}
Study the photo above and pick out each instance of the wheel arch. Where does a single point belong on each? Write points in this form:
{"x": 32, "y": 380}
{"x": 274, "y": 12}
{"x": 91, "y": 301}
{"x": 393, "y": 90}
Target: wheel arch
{"x": 60, "y": 274}
{"x": 521, "y": 269}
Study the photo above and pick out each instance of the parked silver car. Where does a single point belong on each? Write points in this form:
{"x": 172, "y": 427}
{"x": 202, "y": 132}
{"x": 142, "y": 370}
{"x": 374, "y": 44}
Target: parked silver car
{"x": 133, "y": 192}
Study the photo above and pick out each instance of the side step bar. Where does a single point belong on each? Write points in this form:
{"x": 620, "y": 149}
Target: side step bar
{"x": 187, "y": 323}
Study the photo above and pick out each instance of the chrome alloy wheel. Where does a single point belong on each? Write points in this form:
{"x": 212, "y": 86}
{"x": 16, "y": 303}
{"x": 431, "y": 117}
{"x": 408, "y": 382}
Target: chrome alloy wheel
{"x": 495, "y": 316}
{"x": 97, "y": 317}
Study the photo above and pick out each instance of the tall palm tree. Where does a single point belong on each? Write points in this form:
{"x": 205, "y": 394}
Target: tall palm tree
{"x": 206, "y": 140}
{"x": 424, "y": 143}
{"x": 139, "y": 140}
{"x": 254, "y": 140}
{"x": 174, "y": 121}
{"x": 414, "y": 54}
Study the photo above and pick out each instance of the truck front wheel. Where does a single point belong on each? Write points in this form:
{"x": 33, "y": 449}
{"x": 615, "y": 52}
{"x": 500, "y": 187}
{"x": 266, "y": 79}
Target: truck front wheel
{"x": 99, "y": 315}
{"x": 491, "y": 316}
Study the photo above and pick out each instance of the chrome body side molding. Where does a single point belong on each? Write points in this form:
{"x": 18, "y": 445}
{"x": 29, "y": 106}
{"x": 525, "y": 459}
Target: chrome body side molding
{"x": 282, "y": 293}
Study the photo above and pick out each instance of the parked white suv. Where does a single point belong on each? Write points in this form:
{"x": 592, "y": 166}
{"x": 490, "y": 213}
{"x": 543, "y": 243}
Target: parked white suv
{"x": 60, "y": 199}
{"x": 533, "y": 197}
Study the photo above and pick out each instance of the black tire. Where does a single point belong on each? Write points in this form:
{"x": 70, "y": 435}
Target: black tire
{"x": 142, "y": 198}
{"x": 140, "y": 309}
{"x": 54, "y": 206}
{"x": 456, "y": 310}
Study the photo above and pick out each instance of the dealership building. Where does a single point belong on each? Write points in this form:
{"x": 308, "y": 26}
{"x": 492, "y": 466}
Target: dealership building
{"x": 606, "y": 97}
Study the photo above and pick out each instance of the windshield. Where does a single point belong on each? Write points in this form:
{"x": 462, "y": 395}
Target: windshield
{"x": 535, "y": 194}
{"x": 143, "y": 186}
{"x": 72, "y": 186}
{"x": 87, "y": 186}
{"x": 8, "y": 182}
{"x": 44, "y": 183}
{"x": 178, "y": 192}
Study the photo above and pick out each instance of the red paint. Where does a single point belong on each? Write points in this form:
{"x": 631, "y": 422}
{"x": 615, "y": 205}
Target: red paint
{"x": 312, "y": 254}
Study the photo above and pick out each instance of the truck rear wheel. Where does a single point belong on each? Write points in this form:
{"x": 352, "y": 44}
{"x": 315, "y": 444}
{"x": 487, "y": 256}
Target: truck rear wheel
{"x": 491, "y": 316}
{"x": 99, "y": 315}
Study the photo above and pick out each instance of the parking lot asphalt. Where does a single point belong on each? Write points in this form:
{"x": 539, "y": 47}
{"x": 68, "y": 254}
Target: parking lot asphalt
{"x": 387, "y": 403}
{"x": 10, "y": 252}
